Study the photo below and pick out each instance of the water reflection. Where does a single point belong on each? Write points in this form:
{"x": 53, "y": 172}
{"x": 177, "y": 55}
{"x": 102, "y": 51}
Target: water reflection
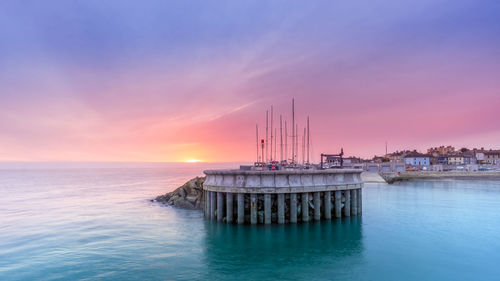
{"x": 295, "y": 248}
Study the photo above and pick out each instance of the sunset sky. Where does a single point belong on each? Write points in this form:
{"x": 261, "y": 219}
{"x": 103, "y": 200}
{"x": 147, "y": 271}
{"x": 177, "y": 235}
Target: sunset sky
{"x": 180, "y": 80}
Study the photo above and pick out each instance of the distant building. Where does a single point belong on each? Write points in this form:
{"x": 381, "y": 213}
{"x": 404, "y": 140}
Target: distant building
{"x": 483, "y": 156}
{"x": 397, "y": 157}
{"x": 442, "y": 160}
{"x": 456, "y": 160}
{"x": 380, "y": 159}
{"x": 416, "y": 159}
{"x": 469, "y": 158}
{"x": 352, "y": 160}
{"x": 492, "y": 157}
{"x": 442, "y": 150}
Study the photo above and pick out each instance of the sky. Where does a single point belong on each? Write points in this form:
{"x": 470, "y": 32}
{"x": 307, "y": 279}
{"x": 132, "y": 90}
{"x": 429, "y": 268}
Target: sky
{"x": 188, "y": 80}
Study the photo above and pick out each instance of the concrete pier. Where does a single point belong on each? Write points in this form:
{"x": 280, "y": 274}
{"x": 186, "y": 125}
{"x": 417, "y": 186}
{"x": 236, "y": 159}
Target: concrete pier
{"x": 305, "y": 206}
{"x": 241, "y": 208}
{"x": 347, "y": 203}
{"x": 317, "y": 206}
{"x": 293, "y": 208}
{"x": 229, "y": 207}
{"x": 338, "y": 204}
{"x": 328, "y": 205}
{"x": 281, "y": 208}
{"x": 220, "y": 206}
{"x": 253, "y": 208}
{"x": 267, "y": 208}
{"x": 271, "y": 196}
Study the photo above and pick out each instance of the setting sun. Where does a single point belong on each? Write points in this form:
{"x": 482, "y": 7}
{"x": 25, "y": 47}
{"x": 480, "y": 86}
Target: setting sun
{"x": 193, "y": 161}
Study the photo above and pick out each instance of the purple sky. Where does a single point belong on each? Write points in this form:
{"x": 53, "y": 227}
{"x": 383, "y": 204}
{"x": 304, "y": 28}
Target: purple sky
{"x": 181, "y": 80}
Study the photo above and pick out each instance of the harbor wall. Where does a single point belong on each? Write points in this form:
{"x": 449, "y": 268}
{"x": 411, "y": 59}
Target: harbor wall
{"x": 286, "y": 196}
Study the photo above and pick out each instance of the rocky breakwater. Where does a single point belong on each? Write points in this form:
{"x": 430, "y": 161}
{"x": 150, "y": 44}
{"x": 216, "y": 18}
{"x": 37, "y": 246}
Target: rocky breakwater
{"x": 188, "y": 196}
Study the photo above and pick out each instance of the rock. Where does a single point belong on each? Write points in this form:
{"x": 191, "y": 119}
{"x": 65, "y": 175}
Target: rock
{"x": 188, "y": 196}
{"x": 184, "y": 204}
{"x": 192, "y": 198}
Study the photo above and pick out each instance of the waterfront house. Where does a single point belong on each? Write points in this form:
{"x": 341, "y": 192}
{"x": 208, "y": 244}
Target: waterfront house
{"x": 397, "y": 157}
{"x": 492, "y": 157}
{"x": 469, "y": 158}
{"x": 418, "y": 160}
{"x": 442, "y": 160}
{"x": 455, "y": 159}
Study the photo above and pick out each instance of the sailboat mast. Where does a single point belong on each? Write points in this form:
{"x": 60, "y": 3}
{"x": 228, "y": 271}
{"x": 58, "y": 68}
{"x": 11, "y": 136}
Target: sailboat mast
{"x": 297, "y": 142}
{"x": 257, "y": 140}
{"x": 271, "y": 154}
{"x": 275, "y": 142}
{"x": 281, "y": 139}
{"x": 293, "y": 130}
{"x": 304, "y": 146}
{"x": 308, "y": 139}
{"x": 267, "y": 139}
{"x": 286, "y": 144}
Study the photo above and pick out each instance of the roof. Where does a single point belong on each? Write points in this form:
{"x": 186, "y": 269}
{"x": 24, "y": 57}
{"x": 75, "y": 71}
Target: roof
{"x": 416, "y": 154}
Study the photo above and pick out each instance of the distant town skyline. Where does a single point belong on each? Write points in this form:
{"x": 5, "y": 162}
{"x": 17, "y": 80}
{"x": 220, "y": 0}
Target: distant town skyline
{"x": 185, "y": 81}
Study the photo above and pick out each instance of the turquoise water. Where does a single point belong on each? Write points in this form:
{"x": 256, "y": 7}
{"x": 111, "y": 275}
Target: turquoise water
{"x": 78, "y": 222}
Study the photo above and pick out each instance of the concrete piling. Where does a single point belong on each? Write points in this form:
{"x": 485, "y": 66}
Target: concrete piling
{"x": 293, "y": 207}
{"x": 212, "y": 205}
{"x": 347, "y": 203}
{"x": 305, "y": 207}
{"x": 220, "y": 206}
{"x": 253, "y": 208}
{"x": 281, "y": 208}
{"x": 267, "y": 208}
{"x": 229, "y": 207}
{"x": 354, "y": 202}
{"x": 317, "y": 206}
{"x": 360, "y": 201}
{"x": 205, "y": 206}
{"x": 328, "y": 205}
{"x": 338, "y": 204}
{"x": 241, "y": 208}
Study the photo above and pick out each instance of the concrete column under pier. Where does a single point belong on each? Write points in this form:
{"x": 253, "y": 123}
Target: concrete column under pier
{"x": 354, "y": 202}
{"x": 253, "y": 208}
{"x": 212, "y": 205}
{"x": 241, "y": 208}
{"x": 328, "y": 205}
{"x": 317, "y": 206}
{"x": 305, "y": 207}
{"x": 338, "y": 204}
{"x": 205, "y": 206}
{"x": 267, "y": 208}
{"x": 229, "y": 207}
{"x": 293, "y": 207}
{"x": 220, "y": 206}
{"x": 281, "y": 208}
{"x": 360, "y": 200}
{"x": 347, "y": 203}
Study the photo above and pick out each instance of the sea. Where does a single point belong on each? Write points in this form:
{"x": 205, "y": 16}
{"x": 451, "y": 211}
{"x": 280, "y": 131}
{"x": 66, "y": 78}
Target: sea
{"x": 96, "y": 221}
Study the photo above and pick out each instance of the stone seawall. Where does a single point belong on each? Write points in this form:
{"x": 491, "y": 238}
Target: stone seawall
{"x": 406, "y": 176}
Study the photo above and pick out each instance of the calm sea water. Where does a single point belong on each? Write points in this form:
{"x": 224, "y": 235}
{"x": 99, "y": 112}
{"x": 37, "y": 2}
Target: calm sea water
{"x": 95, "y": 222}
